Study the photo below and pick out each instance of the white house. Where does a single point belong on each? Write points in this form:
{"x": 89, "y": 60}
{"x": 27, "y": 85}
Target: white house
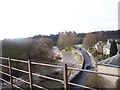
{"x": 106, "y": 48}
{"x": 99, "y": 46}
{"x": 118, "y": 45}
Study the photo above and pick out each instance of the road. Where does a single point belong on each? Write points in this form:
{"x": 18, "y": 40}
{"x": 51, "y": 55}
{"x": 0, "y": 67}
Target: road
{"x": 82, "y": 76}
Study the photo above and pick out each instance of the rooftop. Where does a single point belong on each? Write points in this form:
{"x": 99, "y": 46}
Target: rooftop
{"x": 112, "y": 61}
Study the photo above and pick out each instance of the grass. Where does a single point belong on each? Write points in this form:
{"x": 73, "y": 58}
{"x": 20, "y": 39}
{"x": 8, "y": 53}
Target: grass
{"x": 79, "y": 56}
{"x": 71, "y": 71}
{"x": 98, "y": 56}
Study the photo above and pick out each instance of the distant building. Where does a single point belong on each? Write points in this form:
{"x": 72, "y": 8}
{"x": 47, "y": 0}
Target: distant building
{"x": 106, "y": 48}
{"x": 99, "y": 46}
{"x": 118, "y": 45}
{"x": 111, "y": 66}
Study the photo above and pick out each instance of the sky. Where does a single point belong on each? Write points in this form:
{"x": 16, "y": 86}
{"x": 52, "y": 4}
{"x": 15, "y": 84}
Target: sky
{"x": 25, "y": 18}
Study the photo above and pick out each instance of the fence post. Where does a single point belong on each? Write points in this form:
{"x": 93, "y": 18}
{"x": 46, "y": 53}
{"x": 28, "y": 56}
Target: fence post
{"x": 30, "y": 74}
{"x": 10, "y": 72}
{"x": 65, "y": 76}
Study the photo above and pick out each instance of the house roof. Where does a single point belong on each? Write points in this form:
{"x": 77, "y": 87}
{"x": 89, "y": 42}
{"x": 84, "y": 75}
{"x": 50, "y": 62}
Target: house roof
{"x": 98, "y": 43}
{"x": 112, "y": 61}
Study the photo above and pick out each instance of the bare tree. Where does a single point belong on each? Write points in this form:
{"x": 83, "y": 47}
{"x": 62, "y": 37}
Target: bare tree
{"x": 66, "y": 39}
{"x": 89, "y": 40}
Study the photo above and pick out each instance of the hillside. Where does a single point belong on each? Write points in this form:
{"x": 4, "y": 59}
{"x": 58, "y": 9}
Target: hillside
{"x": 107, "y": 34}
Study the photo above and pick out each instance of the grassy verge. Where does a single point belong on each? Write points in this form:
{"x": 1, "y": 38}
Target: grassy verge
{"x": 80, "y": 45}
{"x": 78, "y": 56}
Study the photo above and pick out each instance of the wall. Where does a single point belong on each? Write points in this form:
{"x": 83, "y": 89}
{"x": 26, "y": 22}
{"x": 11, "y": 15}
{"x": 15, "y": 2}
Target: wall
{"x": 109, "y": 81}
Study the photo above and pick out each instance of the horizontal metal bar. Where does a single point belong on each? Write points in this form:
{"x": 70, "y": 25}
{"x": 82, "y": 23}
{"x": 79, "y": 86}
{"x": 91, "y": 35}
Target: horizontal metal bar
{"x": 5, "y": 81}
{"x": 86, "y": 87}
{"x": 4, "y": 58}
{"x": 20, "y": 70}
{"x": 15, "y": 60}
{"x": 4, "y": 66}
{"x": 17, "y": 87}
{"x": 50, "y": 79}
{"x": 23, "y": 81}
{"x": 29, "y": 83}
{"x": 46, "y": 77}
{"x": 48, "y": 65}
{"x": 10, "y": 83}
{"x": 39, "y": 87}
{"x": 5, "y": 73}
{"x": 56, "y": 66}
{"x": 20, "y": 79}
{"x": 8, "y": 75}
{"x": 90, "y": 71}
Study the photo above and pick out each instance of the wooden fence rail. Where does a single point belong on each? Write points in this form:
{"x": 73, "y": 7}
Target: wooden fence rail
{"x": 30, "y": 73}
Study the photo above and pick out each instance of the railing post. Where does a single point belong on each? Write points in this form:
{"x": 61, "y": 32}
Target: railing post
{"x": 65, "y": 76}
{"x": 30, "y": 74}
{"x": 10, "y": 72}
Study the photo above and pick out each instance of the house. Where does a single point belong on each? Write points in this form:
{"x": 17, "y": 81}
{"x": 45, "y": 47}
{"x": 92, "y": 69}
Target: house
{"x": 106, "y": 48}
{"x": 118, "y": 45}
{"x": 99, "y": 46}
{"x": 110, "y": 66}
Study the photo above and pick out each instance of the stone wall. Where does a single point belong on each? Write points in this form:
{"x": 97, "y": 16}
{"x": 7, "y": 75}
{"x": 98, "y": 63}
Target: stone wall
{"x": 109, "y": 81}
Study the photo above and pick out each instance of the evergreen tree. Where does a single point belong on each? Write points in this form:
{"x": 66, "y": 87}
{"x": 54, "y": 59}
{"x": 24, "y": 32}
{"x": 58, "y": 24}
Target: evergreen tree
{"x": 113, "y": 48}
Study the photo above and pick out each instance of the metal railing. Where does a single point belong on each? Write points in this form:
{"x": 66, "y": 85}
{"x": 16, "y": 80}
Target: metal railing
{"x": 30, "y": 73}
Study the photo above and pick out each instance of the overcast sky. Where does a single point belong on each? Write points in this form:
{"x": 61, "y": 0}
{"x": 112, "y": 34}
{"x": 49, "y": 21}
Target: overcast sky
{"x": 24, "y": 18}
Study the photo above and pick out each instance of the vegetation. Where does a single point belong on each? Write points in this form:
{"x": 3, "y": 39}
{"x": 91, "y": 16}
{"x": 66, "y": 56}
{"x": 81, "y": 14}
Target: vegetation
{"x": 100, "y": 37}
{"x": 27, "y": 48}
{"x": 89, "y": 40}
{"x": 113, "y": 49}
{"x": 98, "y": 56}
{"x": 66, "y": 40}
{"x": 38, "y": 50}
{"x": 107, "y": 35}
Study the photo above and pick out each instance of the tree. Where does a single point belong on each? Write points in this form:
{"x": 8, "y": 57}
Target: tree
{"x": 89, "y": 40}
{"x": 47, "y": 41}
{"x": 66, "y": 39}
{"x": 113, "y": 48}
{"x": 100, "y": 37}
